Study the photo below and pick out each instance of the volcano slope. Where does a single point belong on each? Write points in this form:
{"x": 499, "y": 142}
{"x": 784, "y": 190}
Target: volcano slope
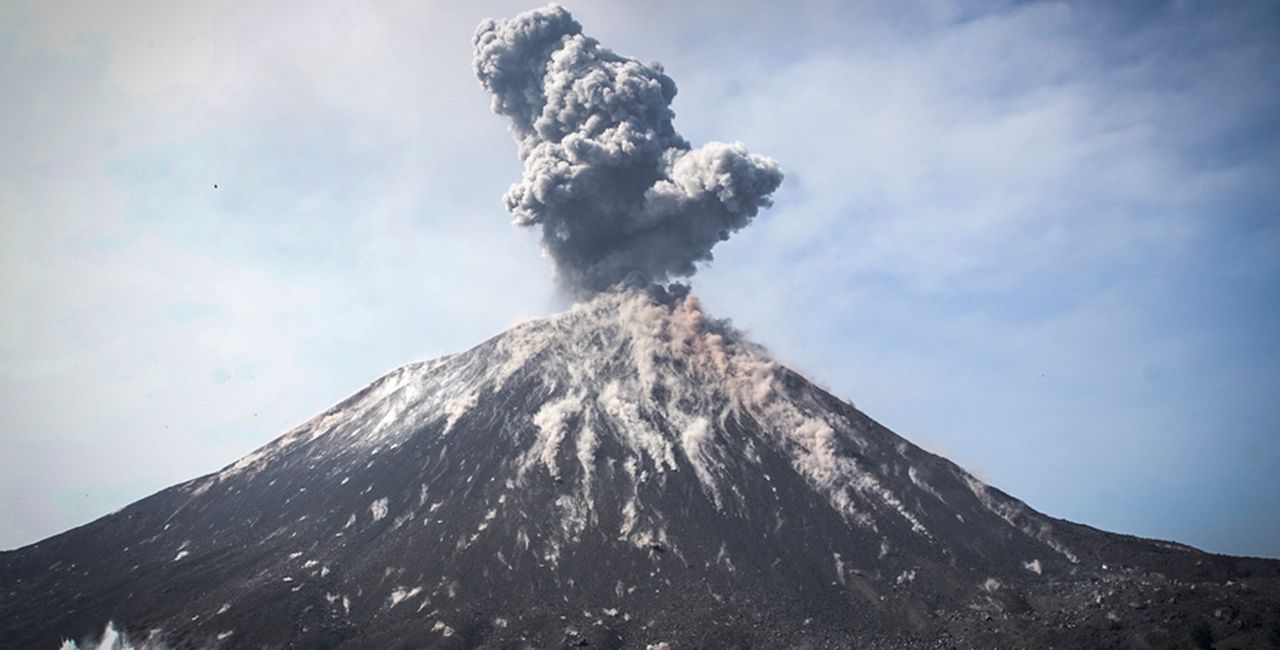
{"x": 625, "y": 474}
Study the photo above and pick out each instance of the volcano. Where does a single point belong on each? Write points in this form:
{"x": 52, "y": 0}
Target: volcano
{"x": 626, "y": 474}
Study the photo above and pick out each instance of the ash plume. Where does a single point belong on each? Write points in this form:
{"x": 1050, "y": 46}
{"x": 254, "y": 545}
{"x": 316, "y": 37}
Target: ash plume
{"x": 621, "y": 198}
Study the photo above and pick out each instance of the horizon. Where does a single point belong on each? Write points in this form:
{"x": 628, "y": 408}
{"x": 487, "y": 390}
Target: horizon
{"x": 1058, "y": 270}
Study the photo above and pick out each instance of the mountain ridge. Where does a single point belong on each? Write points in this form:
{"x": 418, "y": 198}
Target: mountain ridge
{"x": 629, "y": 472}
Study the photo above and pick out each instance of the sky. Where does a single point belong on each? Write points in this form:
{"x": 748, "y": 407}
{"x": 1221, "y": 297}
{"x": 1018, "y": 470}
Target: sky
{"x": 1041, "y": 239}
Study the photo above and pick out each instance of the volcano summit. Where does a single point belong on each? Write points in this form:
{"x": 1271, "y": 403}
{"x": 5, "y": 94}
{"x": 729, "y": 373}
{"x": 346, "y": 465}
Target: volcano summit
{"x": 626, "y": 474}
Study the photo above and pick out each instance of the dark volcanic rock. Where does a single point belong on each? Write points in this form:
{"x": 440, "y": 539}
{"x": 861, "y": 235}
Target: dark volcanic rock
{"x": 626, "y": 474}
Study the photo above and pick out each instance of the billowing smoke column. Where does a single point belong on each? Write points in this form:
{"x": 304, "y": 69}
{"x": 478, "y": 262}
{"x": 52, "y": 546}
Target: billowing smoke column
{"x": 620, "y": 196}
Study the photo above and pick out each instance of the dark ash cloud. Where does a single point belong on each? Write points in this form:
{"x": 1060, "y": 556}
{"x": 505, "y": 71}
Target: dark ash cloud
{"x": 620, "y": 196}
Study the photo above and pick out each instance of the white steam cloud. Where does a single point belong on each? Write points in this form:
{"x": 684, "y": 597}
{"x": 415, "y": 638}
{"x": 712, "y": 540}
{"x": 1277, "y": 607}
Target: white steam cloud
{"x": 620, "y": 196}
{"x": 115, "y": 639}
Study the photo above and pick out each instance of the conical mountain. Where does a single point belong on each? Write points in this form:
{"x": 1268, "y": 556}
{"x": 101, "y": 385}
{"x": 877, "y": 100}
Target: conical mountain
{"x": 625, "y": 474}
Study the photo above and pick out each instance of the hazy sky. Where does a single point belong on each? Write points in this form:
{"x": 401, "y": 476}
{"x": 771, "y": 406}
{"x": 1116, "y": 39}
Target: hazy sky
{"x": 1041, "y": 239}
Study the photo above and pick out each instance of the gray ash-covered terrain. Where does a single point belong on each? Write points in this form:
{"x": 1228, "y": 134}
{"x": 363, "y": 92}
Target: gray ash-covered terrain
{"x": 626, "y": 474}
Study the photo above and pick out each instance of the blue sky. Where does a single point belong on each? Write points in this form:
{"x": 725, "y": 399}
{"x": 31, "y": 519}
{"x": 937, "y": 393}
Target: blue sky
{"x": 1041, "y": 239}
